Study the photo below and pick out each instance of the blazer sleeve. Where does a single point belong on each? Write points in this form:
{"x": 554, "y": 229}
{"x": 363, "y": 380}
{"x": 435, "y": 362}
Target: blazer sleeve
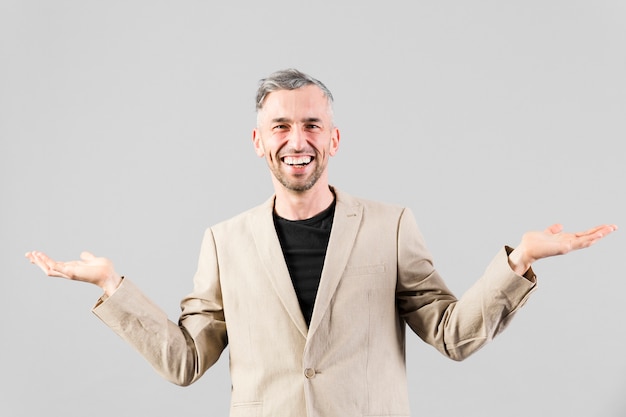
{"x": 455, "y": 327}
{"x": 181, "y": 352}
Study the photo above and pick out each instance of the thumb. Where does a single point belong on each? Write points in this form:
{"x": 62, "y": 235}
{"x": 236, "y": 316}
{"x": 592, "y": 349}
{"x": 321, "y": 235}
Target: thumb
{"x": 87, "y": 256}
{"x": 555, "y": 228}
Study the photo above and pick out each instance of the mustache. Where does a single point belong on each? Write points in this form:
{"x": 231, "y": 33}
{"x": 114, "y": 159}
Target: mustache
{"x": 293, "y": 151}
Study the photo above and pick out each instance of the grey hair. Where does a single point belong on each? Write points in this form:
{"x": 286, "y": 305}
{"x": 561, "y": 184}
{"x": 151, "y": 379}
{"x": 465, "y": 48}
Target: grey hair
{"x": 288, "y": 79}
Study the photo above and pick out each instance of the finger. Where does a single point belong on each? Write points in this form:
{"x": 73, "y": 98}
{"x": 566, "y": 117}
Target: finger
{"x": 607, "y": 228}
{"x": 591, "y": 236}
{"x": 42, "y": 260}
{"x": 65, "y": 269}
{"x": 32, "y": 257}
{"x": 603, "y": 231}
{"x": 45, "y": 263}
{"x": 598, "y": 231}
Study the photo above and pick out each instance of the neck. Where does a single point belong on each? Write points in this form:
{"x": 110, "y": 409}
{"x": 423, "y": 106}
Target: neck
{"x": 301, "y": 205}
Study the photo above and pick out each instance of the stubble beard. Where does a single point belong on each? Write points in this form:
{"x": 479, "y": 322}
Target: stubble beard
{"x": 297, "y": 185}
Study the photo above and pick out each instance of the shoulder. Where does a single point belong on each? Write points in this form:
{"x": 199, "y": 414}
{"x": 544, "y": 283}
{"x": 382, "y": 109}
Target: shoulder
{"x": 260, "y": 213}
{"x": 369, "y": 207}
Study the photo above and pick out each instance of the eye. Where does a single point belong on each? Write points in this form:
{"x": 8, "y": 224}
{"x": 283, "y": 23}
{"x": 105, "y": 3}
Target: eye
{"x": 312, "y": 126}
{"x": 279, "y": 127}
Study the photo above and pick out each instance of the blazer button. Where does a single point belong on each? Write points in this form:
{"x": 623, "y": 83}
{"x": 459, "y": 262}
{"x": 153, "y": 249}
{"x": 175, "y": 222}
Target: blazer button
{"x": 309, "y": 373}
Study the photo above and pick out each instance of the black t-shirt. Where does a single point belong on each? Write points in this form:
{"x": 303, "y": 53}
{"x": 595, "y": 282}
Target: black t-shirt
{"x": 304, "y": 245}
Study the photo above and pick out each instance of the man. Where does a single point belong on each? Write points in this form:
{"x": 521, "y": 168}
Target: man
{"x": 313, "y": 289}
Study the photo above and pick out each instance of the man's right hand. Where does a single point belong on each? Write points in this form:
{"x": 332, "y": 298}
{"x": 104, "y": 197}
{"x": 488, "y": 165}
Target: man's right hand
{"x": 91, "y": 269}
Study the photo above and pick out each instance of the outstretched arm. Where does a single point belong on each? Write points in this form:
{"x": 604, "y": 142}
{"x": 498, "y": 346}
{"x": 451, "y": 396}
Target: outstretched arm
{"x": 91, "y": 269}
{"x": 551, "y": 242}
{"x": 181, "y": 352}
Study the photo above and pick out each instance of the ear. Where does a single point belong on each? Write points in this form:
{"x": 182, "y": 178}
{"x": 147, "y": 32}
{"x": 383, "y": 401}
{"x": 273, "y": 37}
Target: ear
{"x": 258, "y": 143}
{"x": 334, "y": 142}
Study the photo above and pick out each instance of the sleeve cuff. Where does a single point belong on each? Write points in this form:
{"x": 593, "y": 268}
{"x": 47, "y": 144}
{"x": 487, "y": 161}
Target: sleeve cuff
{"x": 530, "y": 274}
{"x": 106, "y": 296}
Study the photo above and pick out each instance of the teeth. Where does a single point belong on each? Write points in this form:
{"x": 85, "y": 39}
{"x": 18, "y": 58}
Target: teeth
{"x": 297, "y": 160}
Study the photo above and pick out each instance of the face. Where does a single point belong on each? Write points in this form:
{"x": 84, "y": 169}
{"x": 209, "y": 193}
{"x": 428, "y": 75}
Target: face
{"x": 296, "y": 136}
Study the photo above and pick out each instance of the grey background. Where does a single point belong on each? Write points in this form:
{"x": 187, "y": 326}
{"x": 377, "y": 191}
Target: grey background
{"x": 125, "y": 130}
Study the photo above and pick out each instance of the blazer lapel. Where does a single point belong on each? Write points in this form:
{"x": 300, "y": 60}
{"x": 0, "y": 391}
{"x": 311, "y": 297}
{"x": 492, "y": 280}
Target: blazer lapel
{"x": 348, "y": 214}
{"x": 271, "y": 254}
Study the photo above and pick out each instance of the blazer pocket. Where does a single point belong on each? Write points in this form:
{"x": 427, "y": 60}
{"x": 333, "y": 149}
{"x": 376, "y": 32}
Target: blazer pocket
{"x": 364, "y": 270}
{"x": 250, "y": 409}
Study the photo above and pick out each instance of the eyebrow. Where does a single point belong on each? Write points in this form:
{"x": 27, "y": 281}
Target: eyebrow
{"x": 305, "y": 120}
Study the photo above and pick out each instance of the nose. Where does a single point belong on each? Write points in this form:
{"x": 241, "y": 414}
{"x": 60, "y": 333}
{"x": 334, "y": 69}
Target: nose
{"x": 297, "y": 139}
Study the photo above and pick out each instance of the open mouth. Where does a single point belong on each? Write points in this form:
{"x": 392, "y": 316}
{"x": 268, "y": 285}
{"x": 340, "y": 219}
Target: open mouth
{"x": 297, "y": 161}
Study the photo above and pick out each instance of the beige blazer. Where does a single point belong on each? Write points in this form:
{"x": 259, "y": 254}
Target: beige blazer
{"x": 377, "y": 277}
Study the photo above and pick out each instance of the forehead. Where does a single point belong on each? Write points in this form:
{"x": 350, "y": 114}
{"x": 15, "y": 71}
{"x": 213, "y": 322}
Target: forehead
{"x": 307, "y": 101}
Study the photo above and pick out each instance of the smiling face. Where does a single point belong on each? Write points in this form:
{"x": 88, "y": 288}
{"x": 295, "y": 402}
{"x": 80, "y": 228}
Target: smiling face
{"x": 296, "y": 136}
